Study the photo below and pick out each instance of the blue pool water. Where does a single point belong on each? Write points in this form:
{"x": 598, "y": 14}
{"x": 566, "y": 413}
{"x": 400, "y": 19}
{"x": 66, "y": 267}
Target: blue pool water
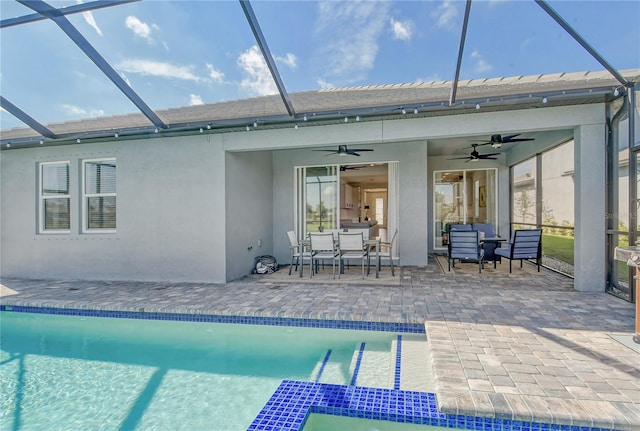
{"x": 70, "y": 372}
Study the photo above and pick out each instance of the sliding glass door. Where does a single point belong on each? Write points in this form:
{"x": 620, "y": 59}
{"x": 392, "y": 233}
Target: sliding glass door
{"x": 463, "y": 196}
{"x": 316, "y": 199}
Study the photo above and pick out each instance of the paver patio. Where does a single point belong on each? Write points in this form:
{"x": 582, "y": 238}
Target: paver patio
{"x": 508, "y": 346}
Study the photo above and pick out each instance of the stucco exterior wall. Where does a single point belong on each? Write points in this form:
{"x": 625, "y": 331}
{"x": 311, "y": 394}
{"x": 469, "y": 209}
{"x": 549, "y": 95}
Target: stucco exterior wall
{"x": 170, "y": 209}
{"x": 249, "y": 210}
{"x": 202, "y": 207}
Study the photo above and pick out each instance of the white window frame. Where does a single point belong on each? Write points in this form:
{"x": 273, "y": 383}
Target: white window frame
{"x": 42, "y": 198}
{"x": 86, "y": 196}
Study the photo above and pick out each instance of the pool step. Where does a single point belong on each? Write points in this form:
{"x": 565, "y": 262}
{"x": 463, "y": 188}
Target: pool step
{"x": 374, "y": 367}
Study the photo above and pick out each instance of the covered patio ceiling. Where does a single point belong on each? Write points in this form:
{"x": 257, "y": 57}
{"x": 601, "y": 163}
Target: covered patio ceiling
{"x": 283, "y": 109}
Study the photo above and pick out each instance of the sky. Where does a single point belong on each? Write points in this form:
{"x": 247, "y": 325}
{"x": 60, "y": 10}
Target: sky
{"x": 182, "y": 53}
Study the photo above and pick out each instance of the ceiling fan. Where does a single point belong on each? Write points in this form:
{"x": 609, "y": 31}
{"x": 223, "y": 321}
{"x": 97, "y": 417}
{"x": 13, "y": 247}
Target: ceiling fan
{"x": 344, "y": 168}
{"x": 475, "y": 156}
{"x": 497, "y": 140}
{"x": 344, "y": 151}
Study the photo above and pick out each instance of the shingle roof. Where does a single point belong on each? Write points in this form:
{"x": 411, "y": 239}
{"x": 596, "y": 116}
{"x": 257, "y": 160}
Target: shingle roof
{"x": 375, "y": 100}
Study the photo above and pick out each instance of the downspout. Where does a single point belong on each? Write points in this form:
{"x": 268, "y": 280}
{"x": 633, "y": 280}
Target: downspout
{"x": 611, "y": 123}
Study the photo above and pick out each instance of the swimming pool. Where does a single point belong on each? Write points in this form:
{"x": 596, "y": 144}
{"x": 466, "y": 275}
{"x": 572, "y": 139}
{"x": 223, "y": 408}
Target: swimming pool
{"x": 79, "y": 372}
{"x": 129, "y": 377}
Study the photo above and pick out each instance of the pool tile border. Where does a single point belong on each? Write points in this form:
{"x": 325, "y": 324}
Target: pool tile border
{"x": 294, "y": 401}
{"x": 412, "y": 328}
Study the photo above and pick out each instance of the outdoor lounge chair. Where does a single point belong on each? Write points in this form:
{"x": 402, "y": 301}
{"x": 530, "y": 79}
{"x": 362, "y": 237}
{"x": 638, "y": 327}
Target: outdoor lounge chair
{"x": 525, "y": 244}
{"x": 464, "y": 245}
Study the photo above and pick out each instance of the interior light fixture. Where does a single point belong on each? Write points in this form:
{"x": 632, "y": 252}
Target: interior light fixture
{"x": 41, "y": 142}
{"x": 115, "y": 135}
{"x": 304, "y": 117}
{"x": 201, "y": 130}
{"x": 255, "y": 124}
{"x": 404, "y": 111}
{"x": 8, "y": 145}
{"x": 618, "y": 91}
{"x": 544, "y": 100}
{"x": 78, "y": 141}
{"x": 415, "y": 111}
{"x": 156, "y": 131}
{"x": 477, "y": 106}
{"x": 296, "y": 126}
{"x": 357, "y": 118}
{"x": 346, "y": 119}
{"x": 247, "y": 128}
{"x": 208, "y": 126}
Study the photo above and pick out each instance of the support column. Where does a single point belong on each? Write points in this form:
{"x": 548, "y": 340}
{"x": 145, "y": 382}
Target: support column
{"x": 590, "y": 208}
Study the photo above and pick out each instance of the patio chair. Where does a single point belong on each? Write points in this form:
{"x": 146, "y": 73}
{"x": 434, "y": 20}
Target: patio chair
{"x": 351, "y": 245}
{"x": 297, "y": 251}
{"x": 323, "y": 247}
{"x": 525, "y": 244}
{"x": 386, "y": 251}
{"x": 464, "y": 245}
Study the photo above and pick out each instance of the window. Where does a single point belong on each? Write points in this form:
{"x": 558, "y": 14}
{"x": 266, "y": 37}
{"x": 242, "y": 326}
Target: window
{"x": 54, "y": 197}
{"x": 99, "y": 194}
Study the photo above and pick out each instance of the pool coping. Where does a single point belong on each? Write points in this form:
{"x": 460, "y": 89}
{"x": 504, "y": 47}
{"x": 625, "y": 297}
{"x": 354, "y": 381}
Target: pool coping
{"x": 361, "y": 403}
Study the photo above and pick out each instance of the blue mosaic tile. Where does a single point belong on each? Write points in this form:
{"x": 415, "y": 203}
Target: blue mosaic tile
{"x": 293, "y": 402}
{"x": 356, "y": 369}
{"x": 396, "y": 377}
{"x": 413, "y": 328}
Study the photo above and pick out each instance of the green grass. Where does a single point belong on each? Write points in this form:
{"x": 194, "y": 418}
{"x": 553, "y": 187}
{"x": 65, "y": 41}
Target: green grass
{"x": 558, "y": 247}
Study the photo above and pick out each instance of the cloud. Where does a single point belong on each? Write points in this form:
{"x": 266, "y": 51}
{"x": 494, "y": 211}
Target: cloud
{"x": 73, "y": 110}
{"x": 157, "y": 68}
{"x": 289, "y": 60}
{"x": 257, "y": 80}
{"x": 139, "y": 28}
{"x": 480, "y": 64}
{"x": 142, "y": 29}
{"x": 195, "y": 99}
{"x": 401, "y": 29}
{"x": 347, "y": 34}
{"x": 324, "y": 84}
{"x": 88, "y": 17}
{"x": 215, "y": 74}
{"x": 78, "y": 111}
{"x": 445, "y": 14}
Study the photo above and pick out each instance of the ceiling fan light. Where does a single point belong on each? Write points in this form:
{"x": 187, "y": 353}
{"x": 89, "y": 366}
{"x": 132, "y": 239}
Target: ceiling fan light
{"x": 346, "y": 119}
{"x": 415, "y": 111}
{"x": 545, "y": 100}
{"x": 496, "y": 145}
{"x": 404, "y": 111}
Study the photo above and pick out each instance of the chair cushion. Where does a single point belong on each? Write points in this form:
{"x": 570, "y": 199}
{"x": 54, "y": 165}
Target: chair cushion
{"x": 502, "y": 252}
{"x": 459, "y": 226}
{"x": 487, "y": 228}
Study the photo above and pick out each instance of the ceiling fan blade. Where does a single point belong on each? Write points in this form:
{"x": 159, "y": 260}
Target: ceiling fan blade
{"x": 509, "y": 137}
{"x": 460, "y": 158}
{"x": 352, "y": 153}
{"x": 488, "y": 158}
{"x": 518, "y": 140}
{"x": 363, "y": 149}
{"x": 331, "y": 151}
